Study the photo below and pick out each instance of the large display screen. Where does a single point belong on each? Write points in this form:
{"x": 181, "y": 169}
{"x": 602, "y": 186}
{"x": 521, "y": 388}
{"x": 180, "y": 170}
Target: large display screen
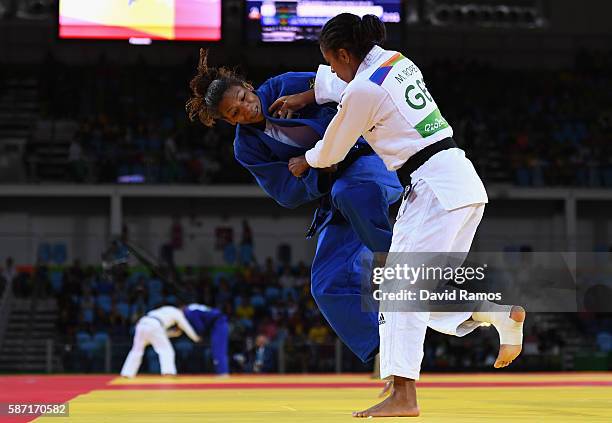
{"x": 153, "y": 19}
{"x": 301, "y": 20}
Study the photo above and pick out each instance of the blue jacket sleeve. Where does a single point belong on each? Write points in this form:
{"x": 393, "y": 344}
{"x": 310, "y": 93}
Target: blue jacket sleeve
{"x": 291, "y": 82}
{"x": 274, "y": 178}
{"x": 285, "y": 84}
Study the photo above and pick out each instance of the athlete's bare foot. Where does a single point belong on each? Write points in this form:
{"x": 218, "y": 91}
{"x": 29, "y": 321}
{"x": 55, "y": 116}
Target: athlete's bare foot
{"x": 401, "y": 403}
{"x": 507, "y": 352}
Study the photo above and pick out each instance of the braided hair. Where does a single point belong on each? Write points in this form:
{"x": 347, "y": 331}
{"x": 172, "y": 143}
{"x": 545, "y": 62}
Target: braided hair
{"x": 352, "y": 33}
{"x": 207, "y": 89}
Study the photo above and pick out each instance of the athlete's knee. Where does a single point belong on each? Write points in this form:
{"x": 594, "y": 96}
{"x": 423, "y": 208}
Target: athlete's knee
{"x": 165, "y": 353}
{"x": 137, "y": 351}
{"x": 341, "y": 194}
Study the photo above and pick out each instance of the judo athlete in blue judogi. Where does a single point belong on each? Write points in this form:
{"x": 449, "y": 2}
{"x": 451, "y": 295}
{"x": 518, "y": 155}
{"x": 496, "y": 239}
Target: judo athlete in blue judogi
{"x": 352, "y": 220}
{"x": 205, "y": 320}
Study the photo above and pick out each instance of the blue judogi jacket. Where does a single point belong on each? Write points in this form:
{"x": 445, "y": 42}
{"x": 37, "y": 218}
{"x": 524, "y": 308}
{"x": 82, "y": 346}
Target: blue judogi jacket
{"x": 359, "y": 196}
{"x": 201, "y": 317}
{"x": 266, "y": 158}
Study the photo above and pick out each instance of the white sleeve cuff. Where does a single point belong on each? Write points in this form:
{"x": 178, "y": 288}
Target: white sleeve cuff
{"x": 311, "y": 157}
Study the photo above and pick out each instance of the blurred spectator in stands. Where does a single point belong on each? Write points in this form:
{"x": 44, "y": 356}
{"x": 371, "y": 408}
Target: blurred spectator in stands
{"x": 102, "y": 320}
{"x": 71, "y": 286}
{"x": 223, "y": 293}
{"x": 291, "y": 309}
{"x": 138, "y": 288}
{"x": 247, "y": 234}
{"x": 277, "y": 310}
{"x": 550, "y": 342}
{"x": 269, "y": 328}
{"x": 319, "y": 333}
{"x": 41, "y": 281}
{"x": 246, "y": 244}
{"x": 102, "y": 285}
{"x": 87, "y": 305}
{"x": 170, "y": 149}
{"x": 319, "y": 339}
{"x": 245, "y": 311}
{"x": 604, "y": 341}
{"x": 76, "y": 271}
{"x": 9, "y": 273}
{"x": 205, "y": 288}
{"x": 176, "y": 233}
{"x": 530, "y": 344}
{"x": 288, "y": 284}
{"x": 117, "y": 322}
{"x": 253, "y": 275}
{"x": 166, "y": 258}
{"x": 303, "y": 275}
{"x": 189, "y": 276}
{"x": 209, "y": 168}
{"x": 258, "y": 300}
{"x": 263, "y": 360}
{"x": 270, "y": 273}
{"x": 76, "y": 162}
{"x": 138, "y": 306}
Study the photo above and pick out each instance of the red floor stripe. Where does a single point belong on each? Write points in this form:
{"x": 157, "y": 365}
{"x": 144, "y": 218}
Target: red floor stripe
{"x": 32, "y": 389}
{"x": 275, "y": 385}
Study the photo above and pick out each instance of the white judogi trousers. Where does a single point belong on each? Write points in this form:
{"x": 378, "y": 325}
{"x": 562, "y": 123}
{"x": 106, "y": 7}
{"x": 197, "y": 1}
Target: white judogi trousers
{"x": 424, "y": 225}
{"x": 149, "y": 332}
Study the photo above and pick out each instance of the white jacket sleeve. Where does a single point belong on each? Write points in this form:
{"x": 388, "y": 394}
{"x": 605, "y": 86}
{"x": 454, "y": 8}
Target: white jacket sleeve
{"x": 328, "y": 87}
{"x": 356, "y": 114}
{"x": 183, "y": 323}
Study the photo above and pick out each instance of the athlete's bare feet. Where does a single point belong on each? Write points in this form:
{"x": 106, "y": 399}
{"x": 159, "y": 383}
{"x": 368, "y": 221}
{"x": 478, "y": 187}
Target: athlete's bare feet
{"x": 401, "y": 403}
{"x": 507, "y": 353}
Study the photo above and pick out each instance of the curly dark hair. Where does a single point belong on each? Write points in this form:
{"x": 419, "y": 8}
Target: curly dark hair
{"x": 207, "y": 89}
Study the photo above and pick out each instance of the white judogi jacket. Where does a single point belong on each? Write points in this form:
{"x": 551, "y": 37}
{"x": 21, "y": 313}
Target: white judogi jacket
{"x": 170, "y": 316}
{"x": 388, "y": 104}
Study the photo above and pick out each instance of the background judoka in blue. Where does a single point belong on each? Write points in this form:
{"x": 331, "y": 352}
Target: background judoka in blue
{"x": 207, "y": 321}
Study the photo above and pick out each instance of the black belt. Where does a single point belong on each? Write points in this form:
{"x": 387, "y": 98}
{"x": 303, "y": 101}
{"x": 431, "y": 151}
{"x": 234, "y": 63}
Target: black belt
{"x": 417, "y": 160}
{"x": 358, "y": 150}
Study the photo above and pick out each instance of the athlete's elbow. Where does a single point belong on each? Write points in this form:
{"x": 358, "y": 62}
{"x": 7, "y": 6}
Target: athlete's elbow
{"x": 291, "y": 201}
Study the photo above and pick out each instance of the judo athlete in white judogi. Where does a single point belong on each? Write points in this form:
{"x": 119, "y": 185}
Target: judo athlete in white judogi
{"x": 382, "y": 96}
{"x": 154, "y": 329}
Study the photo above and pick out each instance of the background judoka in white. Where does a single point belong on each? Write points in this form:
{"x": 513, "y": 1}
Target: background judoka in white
{"x": 151, "y": 330}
